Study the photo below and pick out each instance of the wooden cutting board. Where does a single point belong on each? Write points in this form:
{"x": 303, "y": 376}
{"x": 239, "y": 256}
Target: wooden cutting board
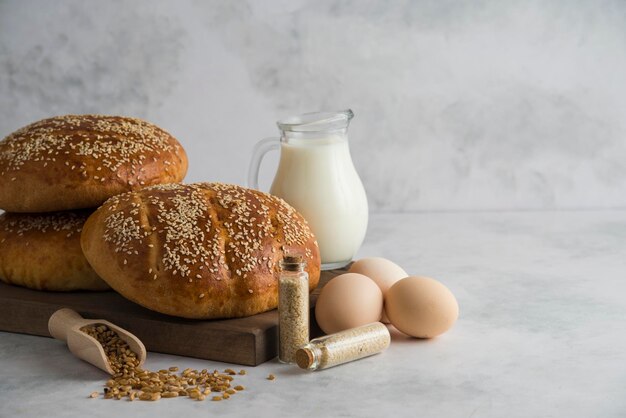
{"x": 249, "y": 341}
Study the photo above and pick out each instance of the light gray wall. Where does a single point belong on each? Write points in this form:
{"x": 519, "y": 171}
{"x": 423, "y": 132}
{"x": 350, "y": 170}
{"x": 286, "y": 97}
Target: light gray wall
{"x": 460, "y": 105}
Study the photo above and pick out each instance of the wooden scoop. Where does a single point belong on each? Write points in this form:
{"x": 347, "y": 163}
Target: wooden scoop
{"x": 65, "y": 324}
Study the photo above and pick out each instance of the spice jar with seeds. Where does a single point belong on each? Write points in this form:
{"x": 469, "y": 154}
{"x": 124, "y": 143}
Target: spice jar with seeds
{"x": 293, "y": 308}
{"x": 342, "y": 347}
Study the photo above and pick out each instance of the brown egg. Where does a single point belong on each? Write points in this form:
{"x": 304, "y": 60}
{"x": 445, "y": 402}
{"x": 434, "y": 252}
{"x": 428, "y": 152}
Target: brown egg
{"x": 421, "y": 307}
{"x": 348, "y": 301}
{"x": 384, "y": 272}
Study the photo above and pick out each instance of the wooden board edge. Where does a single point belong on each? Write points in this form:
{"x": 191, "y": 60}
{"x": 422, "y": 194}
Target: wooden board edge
{"x": 243, "y": 343}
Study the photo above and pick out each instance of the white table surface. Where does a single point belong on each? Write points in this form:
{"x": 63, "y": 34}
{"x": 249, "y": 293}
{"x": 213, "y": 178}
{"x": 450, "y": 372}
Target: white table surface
{"x": 542, "y": 333}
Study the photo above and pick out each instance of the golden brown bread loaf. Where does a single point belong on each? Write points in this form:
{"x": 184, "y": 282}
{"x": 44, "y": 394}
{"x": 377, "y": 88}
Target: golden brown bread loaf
{"x": 205, "y": 250}
{"x": 42, "y": 251}
{"x": 79, "y": 161}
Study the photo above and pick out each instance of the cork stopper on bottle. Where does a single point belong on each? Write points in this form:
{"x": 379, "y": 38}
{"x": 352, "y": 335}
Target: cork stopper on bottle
{"x": 292, "y": 263}
{"x": 304, "y": 358}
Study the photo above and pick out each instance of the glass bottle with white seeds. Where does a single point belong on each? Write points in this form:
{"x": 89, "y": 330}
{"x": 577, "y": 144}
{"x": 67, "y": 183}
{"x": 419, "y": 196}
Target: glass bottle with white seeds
{"x": 342, "y": 347}
{"x": 293, "y": 308}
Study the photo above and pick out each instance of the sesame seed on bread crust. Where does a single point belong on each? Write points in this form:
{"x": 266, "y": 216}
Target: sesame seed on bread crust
{"x": 42, "y": 251}
{"x": 204, "y": 250}
{"x": 79, "y": 161}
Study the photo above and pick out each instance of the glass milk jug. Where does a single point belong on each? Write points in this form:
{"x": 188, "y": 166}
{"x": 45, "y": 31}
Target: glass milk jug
{"x": 316, "y": 176}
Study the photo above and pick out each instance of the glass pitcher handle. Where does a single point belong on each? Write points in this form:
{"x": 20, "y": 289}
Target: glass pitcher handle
{"x": 260, "y": 149}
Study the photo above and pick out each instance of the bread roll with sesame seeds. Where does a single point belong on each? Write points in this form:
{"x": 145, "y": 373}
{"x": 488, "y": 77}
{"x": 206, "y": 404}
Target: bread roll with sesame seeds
{"x": 42, "y": 252}
{"x": 79, "y": 161}
{"x": 204, "y": 250}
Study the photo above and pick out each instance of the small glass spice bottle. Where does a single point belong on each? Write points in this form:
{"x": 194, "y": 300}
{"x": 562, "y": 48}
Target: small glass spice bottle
{"x": 342, "y": 347}
{"x": 293, "y": 308}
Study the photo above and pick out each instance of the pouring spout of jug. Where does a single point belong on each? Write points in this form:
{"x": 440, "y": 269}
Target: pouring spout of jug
{"x": 317, "y": 122}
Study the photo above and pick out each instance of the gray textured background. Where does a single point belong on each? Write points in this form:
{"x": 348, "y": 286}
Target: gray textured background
{"x": 460, "y": 105}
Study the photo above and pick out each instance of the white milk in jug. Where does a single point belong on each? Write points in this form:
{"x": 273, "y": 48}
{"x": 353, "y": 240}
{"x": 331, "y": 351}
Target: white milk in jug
{"x": 316, "y": 176}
